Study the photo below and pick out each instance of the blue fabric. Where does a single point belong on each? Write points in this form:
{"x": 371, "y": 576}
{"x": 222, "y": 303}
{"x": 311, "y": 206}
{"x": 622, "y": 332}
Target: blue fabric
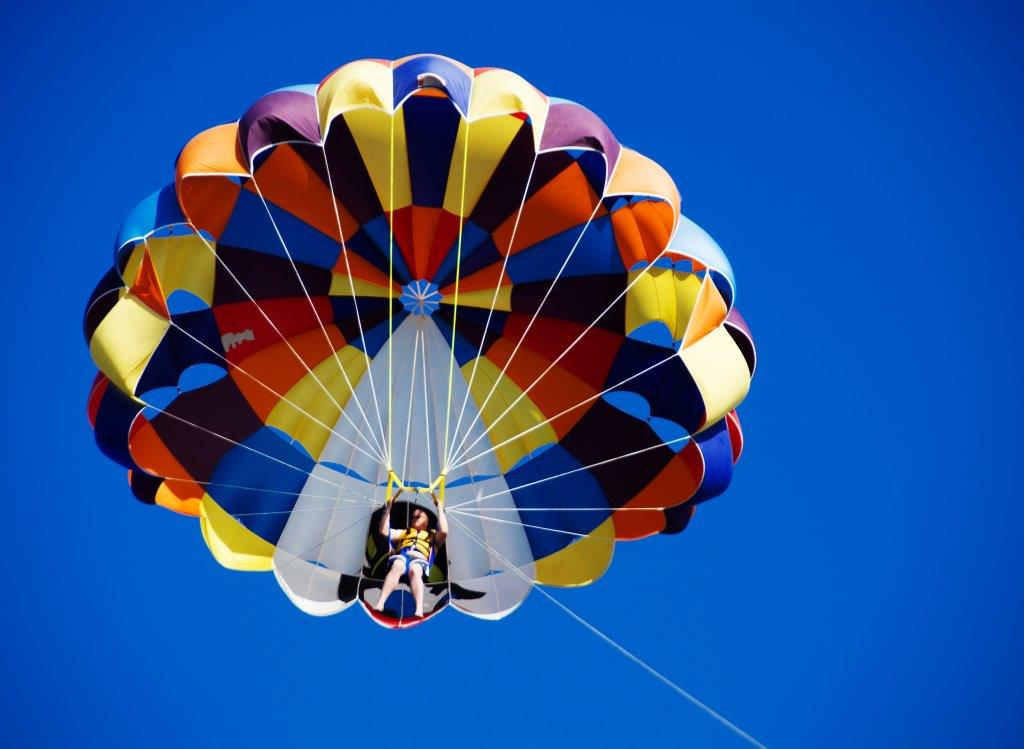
{"x": 655, "y": 333}
{"x": 200, "y": 375}
{"x": 465, "y": 350}
{"x": 379, "y": 232}
{"x": 301, "y": 88}
{"x": 716, "y": 447}
{"x": 431, "y": 126}
{"x": 411, "y": 560}
{"x": 456, "y": 82}
{"x": 576, "y": 490}
{"x": 251, "y": 228}
{"x": 668, "y": 387}
{"x": 198, "y": 341}
{"x": 113, "y": 420}
{"x": 159, "y": 209}
{"x": 595, "y": 253}
{"x": 475, "y": 241}
{"x": 694, "y": 241}
{"x": 242, "y": 467}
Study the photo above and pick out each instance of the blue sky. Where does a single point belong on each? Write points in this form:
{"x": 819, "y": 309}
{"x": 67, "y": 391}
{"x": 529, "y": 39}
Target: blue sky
{"x": 860, "y": 583}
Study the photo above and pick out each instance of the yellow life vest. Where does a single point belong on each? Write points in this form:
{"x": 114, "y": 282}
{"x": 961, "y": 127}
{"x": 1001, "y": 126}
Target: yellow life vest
{"x": 415, "y": 540}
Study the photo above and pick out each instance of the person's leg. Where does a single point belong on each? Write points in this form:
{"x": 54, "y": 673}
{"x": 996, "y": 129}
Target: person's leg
{"x": 416, "y": 583}
{"x": 390, "y": 582}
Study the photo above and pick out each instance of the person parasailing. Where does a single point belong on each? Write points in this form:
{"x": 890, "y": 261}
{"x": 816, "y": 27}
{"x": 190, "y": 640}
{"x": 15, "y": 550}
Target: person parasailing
{"x": 413, "y": 548}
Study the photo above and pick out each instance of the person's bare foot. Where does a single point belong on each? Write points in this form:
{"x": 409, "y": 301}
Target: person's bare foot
{"x": 418, "y": 614}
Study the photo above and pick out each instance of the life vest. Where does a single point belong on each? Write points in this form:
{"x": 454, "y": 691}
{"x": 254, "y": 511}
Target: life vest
{"x": 414, "y": 540}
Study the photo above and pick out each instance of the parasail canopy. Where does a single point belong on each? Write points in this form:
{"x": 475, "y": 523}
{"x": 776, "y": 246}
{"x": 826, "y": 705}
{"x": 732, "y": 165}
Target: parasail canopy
{"x": 420, "y": 273}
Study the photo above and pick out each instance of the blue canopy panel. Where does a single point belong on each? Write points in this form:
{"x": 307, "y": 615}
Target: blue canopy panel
{"x": 668, "y": 387}
{"x": 266, "y": 228}
{"x": 469, "y": 330}
{"x": 431, "y": 127}
{"x": 715, "y": 445}
{"x": 589, "y": 251}
{"x": 478, "y": 251}
{"x": 368, "y": 331}
{"x": 381, "y": 243}
{"x": 112, "y": 413}
{"x": 551, "y": 504}
{"x": 101, "y": 301}
{"x": 254, "y": 463}
{"x": 158, "y": 210}
{"x": 195, "y": 340}
{"x": 436, "y": 72}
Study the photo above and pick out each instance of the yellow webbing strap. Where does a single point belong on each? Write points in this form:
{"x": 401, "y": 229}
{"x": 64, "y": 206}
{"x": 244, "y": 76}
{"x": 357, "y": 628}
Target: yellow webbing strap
{"x": 455, "y": 310}
{"x": 393, "y": 483}
{"x": 391, "y": 273}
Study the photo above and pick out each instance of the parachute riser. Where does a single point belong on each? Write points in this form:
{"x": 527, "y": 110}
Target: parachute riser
{"x": 395, "y": 487}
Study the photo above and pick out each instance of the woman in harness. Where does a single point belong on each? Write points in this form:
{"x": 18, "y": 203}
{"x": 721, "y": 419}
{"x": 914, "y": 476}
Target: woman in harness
{"x": 413, "y": 552}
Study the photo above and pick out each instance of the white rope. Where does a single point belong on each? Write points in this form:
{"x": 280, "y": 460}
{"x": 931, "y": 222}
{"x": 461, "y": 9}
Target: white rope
{"x": 391, "y": 273}
{"x": 212, "y": 433}
{"x": 656, "y": 446}
{"x": 378, "y": 503}
{"x": 412, "y": 390}
{"x": 494, "y": 301}
{"x": 529, "y": 327}
{"x": 316, "y": 313}
{"x": 289, "y": 465}
{"x": 296, "y": 512}
{"x": 427, "y": 410}
{"x": 634, "y": 658}
{"x": 376, "y": 458}
{"x": 608, "y": 509}
{"x": 328, "y": 539}
{"x": 237, "y": 444}
{"x": 266, "y": 317}
{"x": 536, "y": 527}
{"x": 352, "y": 289}
{"x": 183, "y": 480}
{"x": 551, "y": 366}
{"x": 330, "y": 524}
{"x": 584, "y": 402}
{"x": 455, "y": 309}
{"x": 270, "y": 322}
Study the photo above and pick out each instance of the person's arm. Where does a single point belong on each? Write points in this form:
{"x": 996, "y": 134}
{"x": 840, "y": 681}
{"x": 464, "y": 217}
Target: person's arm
{"x": 385, "y": 521}
{"x": 442, "y": 524}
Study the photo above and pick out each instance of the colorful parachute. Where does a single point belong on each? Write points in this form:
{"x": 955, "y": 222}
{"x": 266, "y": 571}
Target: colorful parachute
{"x": 428, "y": 269}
